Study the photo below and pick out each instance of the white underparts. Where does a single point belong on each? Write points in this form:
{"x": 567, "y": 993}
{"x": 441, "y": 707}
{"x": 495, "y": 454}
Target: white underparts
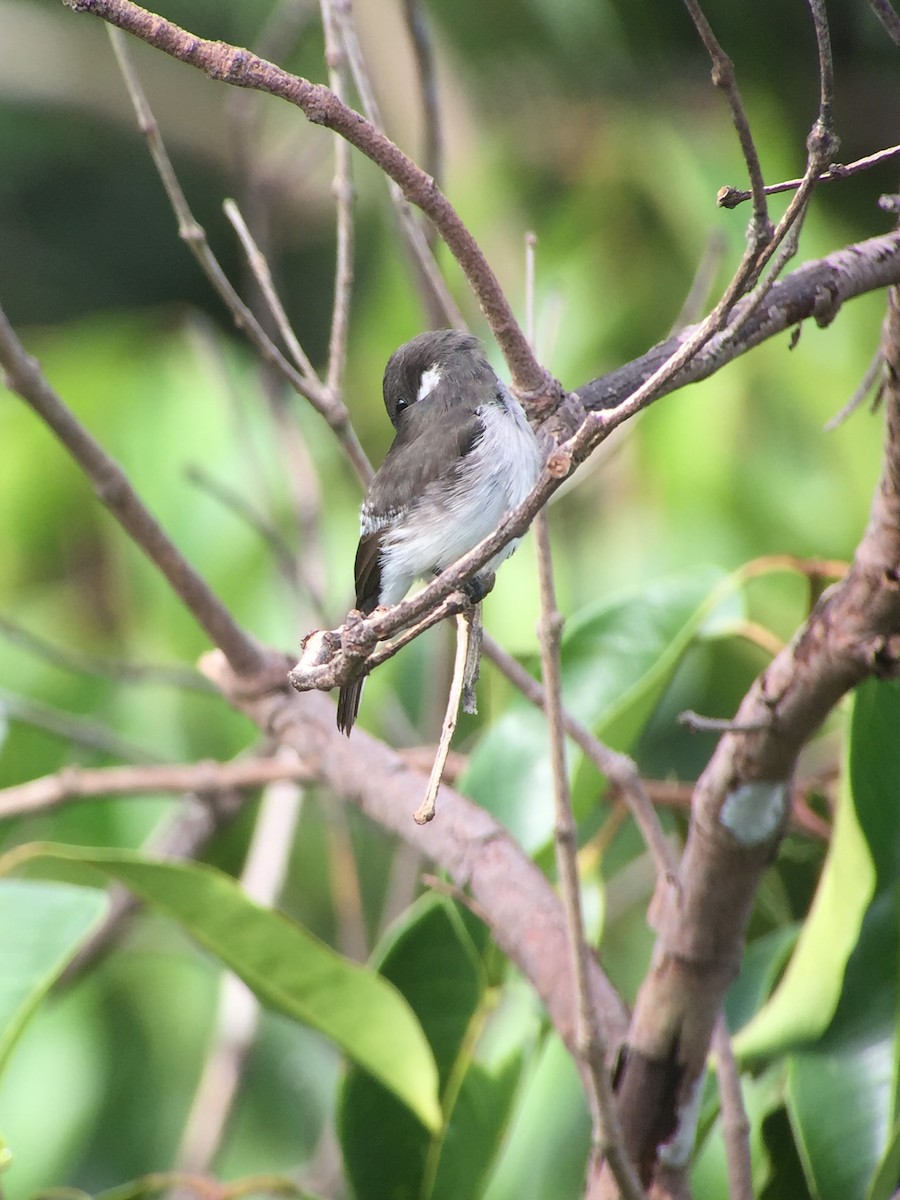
{"x": 754, "y": 811}
{"x": 442, "y": 525}
{"x": 429, "y": 381}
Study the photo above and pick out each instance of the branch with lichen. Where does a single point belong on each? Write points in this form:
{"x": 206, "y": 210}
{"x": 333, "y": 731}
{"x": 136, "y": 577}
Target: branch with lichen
{"x": 741, "y": 807}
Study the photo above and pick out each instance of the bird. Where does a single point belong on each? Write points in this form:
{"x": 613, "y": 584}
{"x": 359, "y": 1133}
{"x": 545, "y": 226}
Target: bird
{"x": 463, "y": 456}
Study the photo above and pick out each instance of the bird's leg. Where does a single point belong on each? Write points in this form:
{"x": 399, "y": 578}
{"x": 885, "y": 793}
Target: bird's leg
{"x": 479, "y": 585}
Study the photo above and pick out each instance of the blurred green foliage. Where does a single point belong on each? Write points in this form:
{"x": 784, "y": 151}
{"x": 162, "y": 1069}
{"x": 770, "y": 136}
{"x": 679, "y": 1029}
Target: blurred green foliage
{"x": 594, "y": 124}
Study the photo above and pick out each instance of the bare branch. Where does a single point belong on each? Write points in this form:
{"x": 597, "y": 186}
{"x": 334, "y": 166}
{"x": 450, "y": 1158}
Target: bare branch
{"x": 240, "y": 68}
{"x": 525, "y": 916}
{"x": 741, "y": 805}
{"x": 192, "y": 233}
{"x": 723, "y": 77}
{"x": 815, "y": 290}
{"x": 260, "y": 267}
{"x": 426, "y": 810}
{"x": 342, "y": 187}
{"x": 439, "y": 303}
{"x": 590, "y": 1044}
{"x": 872, "y": 380}
{"x": 735, "y": 1126}
{"x": 886, "y": 14}
{"x": 116, "y": 669}
{"x": 618, "y": 768}
{"x": 24, "y": 377}
{"x": 420, "y": 40}
{"x": 85, "y": 783}
{"x": 730, "y": 197}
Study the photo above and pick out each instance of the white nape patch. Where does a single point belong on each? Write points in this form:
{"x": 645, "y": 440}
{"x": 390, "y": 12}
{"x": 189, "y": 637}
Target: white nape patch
{"x": 430, "y": 379}
{"x": 754, "y": 811}
{"x": 676, "y": 1152}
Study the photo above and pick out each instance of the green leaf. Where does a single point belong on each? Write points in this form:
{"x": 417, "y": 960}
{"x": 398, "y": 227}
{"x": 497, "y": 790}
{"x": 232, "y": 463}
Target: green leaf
{"x": 476, "y": 1129}
{"x": 762, "y": 963}
{"x": 875, "y": 773}
{"x": 884, "y": 1183}
{"x": 840, "y": 1091}
{"x": 283, "y": 964}
{"x": 549, "y": 1133}
{"x": 864, "y": 856}
{"x": 762, "y": 1096}
{"x": 429, "y": 957}
{"x": 618, "y": 657}
{"x": 42, "y": 925}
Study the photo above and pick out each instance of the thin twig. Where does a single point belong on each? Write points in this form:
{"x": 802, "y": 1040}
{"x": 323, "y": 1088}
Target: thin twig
{"x": 71, "y": 728}
{"x": 87, "y": 783}
{"x": 884, "y": 11}
{"x": 735, "y": 1126}
{"x": 302, "y": 477}
{"x": 343, "y": 191}
{"x": 731, "y": 197}
{"x": 240, "y": 68}
{"x": 765, "y": 244}
{"x": 118, "y": 670}
{"x": 618, "y": 768}
{"x": 441, "y": 307}
{"x": 426, "y": 810}
{"x": 695, "y": 723}
{"x": 826, "y": 75}
{"x": 590, "y": 1043}
{"x": 698, "y": 293}
{"x": 423, "y": 52}
{"x": 192, "y": 233}
{"x": 238, "y": 1010}
{"x": 723, "y": 77}
{"x": 24, "y": 377}
{"x": 873, "y": 376}
{"x": 822, "y": 144}
{"x": 259, "y": 265}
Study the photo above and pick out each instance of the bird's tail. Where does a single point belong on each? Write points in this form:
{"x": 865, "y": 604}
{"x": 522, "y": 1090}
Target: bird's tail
{"x": 348, "y": 704}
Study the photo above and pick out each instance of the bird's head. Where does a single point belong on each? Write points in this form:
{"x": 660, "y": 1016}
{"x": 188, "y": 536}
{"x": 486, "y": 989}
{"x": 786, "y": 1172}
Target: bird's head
{"x": 442, "y": 359}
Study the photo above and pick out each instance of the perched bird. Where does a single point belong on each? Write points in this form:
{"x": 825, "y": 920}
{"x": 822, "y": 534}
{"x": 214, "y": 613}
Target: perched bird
{"x": 462, "y": 457}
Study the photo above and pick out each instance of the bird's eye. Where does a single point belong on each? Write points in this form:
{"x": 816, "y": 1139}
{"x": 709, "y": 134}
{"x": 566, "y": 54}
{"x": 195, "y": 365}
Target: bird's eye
{"x": 400, "y": 404}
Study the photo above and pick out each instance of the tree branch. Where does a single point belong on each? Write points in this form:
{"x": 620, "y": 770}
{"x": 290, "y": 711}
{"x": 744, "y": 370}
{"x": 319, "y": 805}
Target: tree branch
{"x": 525, "y": 916}
{"x": 240, "y": 68}
{"x": 740, "y": 807}
{"x": 590, "y": 1041}
{"x": 85, "y": 783}
{"x": 24, "y": 377}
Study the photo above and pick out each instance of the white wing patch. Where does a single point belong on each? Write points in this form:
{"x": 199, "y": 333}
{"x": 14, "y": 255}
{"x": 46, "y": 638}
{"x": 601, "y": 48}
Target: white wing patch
{"x": 372, "y": 522}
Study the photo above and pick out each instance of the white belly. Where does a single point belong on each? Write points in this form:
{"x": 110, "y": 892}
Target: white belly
{"x": 499, "y": 473}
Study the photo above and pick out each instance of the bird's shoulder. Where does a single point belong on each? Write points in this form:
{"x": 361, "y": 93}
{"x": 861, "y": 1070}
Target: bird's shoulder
{"x": 428, "y": 451}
